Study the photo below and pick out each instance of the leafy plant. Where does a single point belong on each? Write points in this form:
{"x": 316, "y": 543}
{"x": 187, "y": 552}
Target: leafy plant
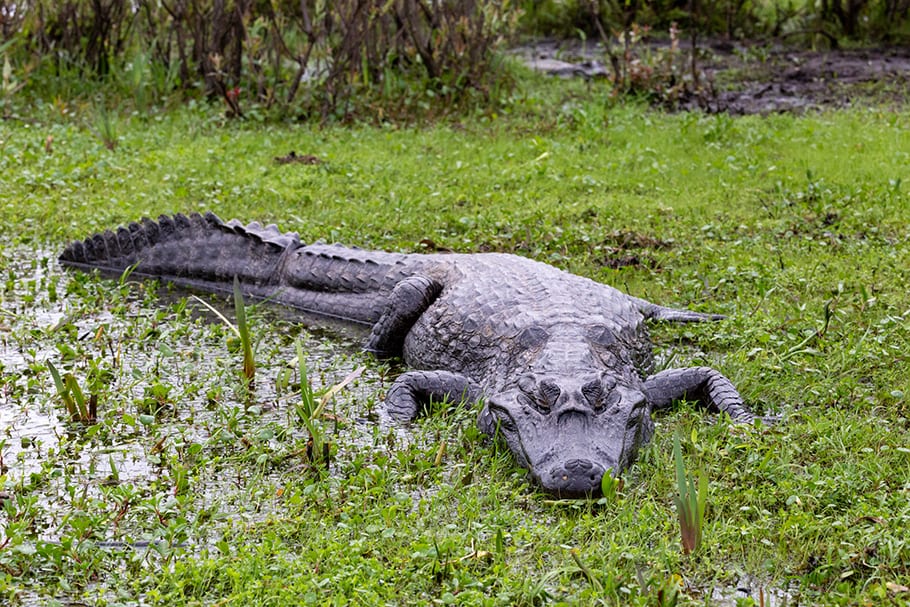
{"x": 691, "y": 499}
{"x": 610, "y": 486}
{"x": 104, "y": 126}
{"x": 308, "y": 412}
{"x": 74, "y": 401}
{"x": 241, "y": 330}
{"x": 156, "y": 399}
{"x": 664, "y": 75}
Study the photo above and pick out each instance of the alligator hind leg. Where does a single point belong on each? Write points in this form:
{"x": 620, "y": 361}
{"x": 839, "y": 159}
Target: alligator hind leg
{"x": 412, "y": 392}
{"x": 703, "y": 384}
{"x": 409, "y": 299}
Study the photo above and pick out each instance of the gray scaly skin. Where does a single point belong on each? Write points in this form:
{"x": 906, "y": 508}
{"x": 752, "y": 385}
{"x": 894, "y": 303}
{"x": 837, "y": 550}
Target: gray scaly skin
{"x": 561, "y": 361}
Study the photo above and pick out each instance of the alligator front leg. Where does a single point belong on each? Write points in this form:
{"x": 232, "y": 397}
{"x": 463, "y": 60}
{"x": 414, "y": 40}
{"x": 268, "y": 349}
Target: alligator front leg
{"x": 409, "y": 299}
{"x": 703, "y": 384}
{"x": 412, "y": 392}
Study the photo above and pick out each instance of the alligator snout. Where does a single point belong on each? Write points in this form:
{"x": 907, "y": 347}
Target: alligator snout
{"x": 568, "y": 430}
{"x": 575, "y": 478}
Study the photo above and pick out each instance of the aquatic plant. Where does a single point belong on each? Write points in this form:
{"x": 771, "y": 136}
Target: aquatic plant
{"x": 691, "y": 499}
{"x": 241, "y": 330}
{"x": 74, "y": 401}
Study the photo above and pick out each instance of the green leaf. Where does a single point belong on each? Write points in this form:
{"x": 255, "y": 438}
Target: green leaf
{"x": 63, "y": 391}
{"x": 249, "y": 365}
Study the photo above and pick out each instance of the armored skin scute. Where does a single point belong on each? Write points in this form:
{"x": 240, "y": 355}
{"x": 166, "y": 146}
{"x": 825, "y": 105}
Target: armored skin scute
{"x": 560, "y": 362}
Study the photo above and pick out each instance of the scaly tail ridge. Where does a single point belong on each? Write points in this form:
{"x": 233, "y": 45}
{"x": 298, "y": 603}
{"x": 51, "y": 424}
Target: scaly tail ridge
{"x": 197, "y": 251}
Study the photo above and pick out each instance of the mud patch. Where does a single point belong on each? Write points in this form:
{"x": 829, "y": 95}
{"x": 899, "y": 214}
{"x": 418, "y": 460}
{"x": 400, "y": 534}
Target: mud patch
{"x": 625, "y": 248}
{"x": 747, "y": 79}
{"x": 294, "y": 158}
{"x": 787, "y": 81}
{"x": 627, "y": 240}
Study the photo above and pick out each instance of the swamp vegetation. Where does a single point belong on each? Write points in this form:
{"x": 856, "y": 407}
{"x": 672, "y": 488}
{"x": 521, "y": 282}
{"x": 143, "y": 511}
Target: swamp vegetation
{"x": 194, "y": 485}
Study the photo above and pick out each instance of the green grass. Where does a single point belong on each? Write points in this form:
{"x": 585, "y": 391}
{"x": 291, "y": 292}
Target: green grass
{"x": 795, "y": 227}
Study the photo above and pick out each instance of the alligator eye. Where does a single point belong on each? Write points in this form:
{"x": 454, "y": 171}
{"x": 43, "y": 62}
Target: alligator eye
{"x": 601, "y": 393}
{"x": 549, "y": 393}
{"x": 539, "y": 396}
{"x": 635, "y": 417}
{"x": 542, "y": 406}
{"x": 504, "y": 423}
{"x": 594, "y": 393}
{"x": 531, "y": 401}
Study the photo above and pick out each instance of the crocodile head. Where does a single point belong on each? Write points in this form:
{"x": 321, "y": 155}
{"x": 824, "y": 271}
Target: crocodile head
{"x": 569, "y": 430}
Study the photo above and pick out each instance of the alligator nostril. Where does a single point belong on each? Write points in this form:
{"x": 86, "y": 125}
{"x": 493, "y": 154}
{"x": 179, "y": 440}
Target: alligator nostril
{"x": 579, "y": 465}
{"x": 574, "y": 478}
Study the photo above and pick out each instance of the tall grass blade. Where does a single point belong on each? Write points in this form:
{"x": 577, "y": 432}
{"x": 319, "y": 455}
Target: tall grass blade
{"x": 217, "y": 313}
{"x": 331, "y": 392}
{"x": 105, "y": 128}
{"x": 309, "y": 409}
{"x": 610, "y": 486}
{"x": 82, "y": 412}
{"x": 243, "y": 330}
{"x": 307, "y": 399}
{"x": 592, "y": 579}
{"x": 77, "y": 407}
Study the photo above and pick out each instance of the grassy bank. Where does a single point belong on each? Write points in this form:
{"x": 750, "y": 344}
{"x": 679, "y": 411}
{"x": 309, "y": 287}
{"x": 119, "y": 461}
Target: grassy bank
{"x": 193, "y": 488}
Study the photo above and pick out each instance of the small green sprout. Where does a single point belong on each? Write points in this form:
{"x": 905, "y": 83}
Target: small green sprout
{"x": 691, "y": 499}
{"x": 78, "y": 408}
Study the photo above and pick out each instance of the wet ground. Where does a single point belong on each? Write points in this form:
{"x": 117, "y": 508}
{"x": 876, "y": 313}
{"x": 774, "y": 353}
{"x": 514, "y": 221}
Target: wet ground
{"x": 753, "y": 79}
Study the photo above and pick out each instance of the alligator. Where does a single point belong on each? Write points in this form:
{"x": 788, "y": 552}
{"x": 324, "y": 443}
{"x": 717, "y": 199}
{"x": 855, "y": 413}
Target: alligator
{"x": 560, "y": 362}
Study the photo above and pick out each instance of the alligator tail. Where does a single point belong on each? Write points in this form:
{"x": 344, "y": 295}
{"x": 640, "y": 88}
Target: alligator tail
{"x": 654, "y": 311}
{"x": 203, "y": 253}
{"x": 197, "y": 251}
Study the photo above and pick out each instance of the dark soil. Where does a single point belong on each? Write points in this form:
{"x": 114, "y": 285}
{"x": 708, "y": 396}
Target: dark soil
{"x": 740, "y": 79}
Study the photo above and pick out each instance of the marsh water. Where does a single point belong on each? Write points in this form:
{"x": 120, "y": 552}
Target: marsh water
{"x": 174, "y": 413}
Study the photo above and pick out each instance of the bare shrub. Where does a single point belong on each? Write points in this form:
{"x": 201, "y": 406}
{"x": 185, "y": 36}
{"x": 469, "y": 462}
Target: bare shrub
{"x": 267, "y": 51}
